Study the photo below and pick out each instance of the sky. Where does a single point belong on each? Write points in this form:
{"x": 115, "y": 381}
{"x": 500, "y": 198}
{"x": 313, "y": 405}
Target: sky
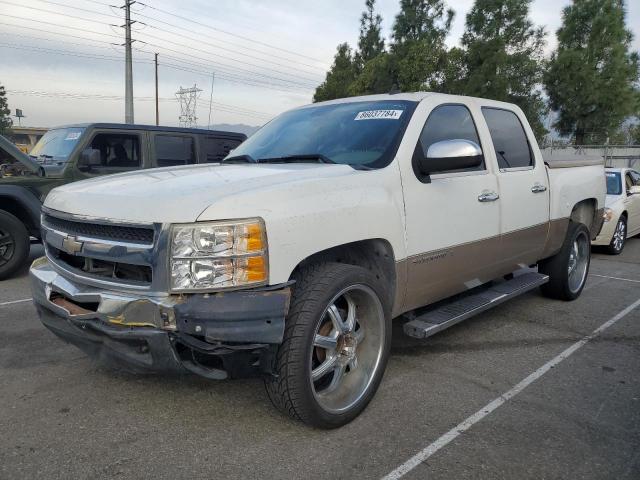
{"x": 61, "y": 61}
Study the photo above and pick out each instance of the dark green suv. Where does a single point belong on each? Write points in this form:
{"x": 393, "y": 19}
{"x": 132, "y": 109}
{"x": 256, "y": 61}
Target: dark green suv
{"x": 77, "y": 152}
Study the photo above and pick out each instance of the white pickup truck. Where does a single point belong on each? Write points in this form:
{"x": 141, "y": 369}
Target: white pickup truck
{"x": 290, "y": 259}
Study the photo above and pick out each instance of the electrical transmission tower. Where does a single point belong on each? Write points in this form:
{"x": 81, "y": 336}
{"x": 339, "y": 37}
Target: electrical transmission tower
{"x": 188, "y": 98}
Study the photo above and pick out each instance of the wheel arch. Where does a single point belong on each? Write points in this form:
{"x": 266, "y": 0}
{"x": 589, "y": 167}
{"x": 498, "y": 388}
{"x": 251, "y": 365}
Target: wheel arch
{"x": 23, "y": 205}
{"x": 587, "y": 212}
{"x": 375, "y": 254}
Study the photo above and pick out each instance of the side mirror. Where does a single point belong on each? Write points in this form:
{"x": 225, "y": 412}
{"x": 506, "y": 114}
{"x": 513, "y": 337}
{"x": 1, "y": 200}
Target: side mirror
{"x": 634, "y": 190}
{"x": 89, "y": 158}
{"x": 449, "y": 155}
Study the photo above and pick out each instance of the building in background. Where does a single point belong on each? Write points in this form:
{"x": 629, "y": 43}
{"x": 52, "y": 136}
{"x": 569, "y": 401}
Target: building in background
{"x": 26, "y": 137}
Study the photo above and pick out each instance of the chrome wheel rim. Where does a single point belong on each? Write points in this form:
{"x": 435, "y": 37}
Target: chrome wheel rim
{"x": 578, "y": 262}
{"x": 619, "y": 236}
{"x": 7, "y": 246}
{"x": 347, "y": 348}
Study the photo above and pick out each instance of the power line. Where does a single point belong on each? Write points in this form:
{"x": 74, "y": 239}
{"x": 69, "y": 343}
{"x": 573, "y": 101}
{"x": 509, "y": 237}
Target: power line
{"x": 230, "y": 33}
{"x": 224, "y": 75}
{"x": 88, "y": 96}
{"x": 189, "y": 47}
{"x": 219, "y": 67}
{"x": 188, "y": 37}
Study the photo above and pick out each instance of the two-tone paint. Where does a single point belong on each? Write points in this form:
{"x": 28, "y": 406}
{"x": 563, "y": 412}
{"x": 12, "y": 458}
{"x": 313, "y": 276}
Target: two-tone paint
{"x": 442, "y": 238}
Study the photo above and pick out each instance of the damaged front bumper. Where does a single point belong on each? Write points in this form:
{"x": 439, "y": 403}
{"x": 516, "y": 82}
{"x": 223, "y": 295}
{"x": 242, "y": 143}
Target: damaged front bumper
{"x": 218, "y": 335}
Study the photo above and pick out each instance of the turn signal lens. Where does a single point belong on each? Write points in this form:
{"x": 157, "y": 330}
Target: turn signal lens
{"x": 607, "y": 215}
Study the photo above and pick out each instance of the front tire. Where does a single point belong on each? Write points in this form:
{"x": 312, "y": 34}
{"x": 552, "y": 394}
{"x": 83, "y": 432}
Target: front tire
{"x": 335, "y": 348}
{"x": 568, "y": 269}
{"x": 619, "y": 237}
{"x": 14, "y": 244}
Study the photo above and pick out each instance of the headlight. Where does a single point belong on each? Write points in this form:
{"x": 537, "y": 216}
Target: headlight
{"x": 607, "y": 215}
{"x": 216, "y": 255}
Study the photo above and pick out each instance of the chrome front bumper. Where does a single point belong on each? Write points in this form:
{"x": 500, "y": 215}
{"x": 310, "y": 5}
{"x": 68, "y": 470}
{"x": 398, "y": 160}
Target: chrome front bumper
{"x": 214, "y": 335}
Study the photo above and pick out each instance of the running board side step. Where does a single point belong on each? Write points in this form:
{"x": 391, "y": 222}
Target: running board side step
{"x": 439, "y": 318}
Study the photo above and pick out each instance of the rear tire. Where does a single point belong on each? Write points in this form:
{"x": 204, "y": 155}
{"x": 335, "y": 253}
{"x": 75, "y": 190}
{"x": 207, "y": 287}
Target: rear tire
{"x": 568, "y": 269}
{"x": 14, "y": 244}
{"x": 335, "y": 348}
{"x": 619, "y": 237}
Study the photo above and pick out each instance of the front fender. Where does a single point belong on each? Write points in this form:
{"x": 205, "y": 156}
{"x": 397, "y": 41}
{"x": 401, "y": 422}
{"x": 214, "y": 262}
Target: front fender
{"x": 311, "y": 215}
{"x": 25, "y": 199}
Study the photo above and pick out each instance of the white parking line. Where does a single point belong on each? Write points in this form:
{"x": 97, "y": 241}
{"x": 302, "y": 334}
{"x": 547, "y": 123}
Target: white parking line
{"x": 15, "y": 301}
{"x": 615, "y": 278}
{"x": 452, "y": 434}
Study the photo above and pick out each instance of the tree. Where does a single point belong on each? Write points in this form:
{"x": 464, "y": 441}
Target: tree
{"x": 377, "y": 76}
{"x": 5, "y": 113}
{"x": 370, "y": 42}
{"x": 339, "y": 78}
{"x": 592, "y": 78}
{"x": 504, "y": 56}
{"x": 419, "y": 32}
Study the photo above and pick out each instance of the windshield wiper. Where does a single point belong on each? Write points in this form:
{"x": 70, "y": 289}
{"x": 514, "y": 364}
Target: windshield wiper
{"x": 311, "y": 158}
{"x": 239, "y": 159}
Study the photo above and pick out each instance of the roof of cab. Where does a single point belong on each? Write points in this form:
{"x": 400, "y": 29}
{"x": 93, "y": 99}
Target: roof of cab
{"x": 155, "y": 128}
{"x": 415, "y": 97}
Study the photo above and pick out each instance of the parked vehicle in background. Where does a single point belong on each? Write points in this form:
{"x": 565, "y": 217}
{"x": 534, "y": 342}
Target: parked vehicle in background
{"x": 290, "y": 259}
{"x": 622, "y": 209}
{"x": 77, "y": 152}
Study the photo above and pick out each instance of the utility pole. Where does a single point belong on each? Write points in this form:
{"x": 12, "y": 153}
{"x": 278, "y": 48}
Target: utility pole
{"x": 213, "y": 79}
{"x": 157, "y": 109}
{"x": 128, "y": 69}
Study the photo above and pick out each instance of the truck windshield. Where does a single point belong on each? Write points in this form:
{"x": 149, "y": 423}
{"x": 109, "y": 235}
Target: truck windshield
{"x": 56, "y": 145}
{"x": 361, "y": 134}
{"x": 614, "y": 185}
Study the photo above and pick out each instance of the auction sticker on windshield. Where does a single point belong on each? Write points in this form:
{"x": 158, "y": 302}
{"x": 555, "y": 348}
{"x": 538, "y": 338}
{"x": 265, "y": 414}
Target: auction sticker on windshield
{"x": 379, "y": 115}
{"x": 73, "y": 136}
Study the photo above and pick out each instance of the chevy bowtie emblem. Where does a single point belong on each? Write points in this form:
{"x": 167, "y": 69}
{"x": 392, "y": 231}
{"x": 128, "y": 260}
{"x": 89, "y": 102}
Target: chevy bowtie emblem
{"x": 71, "y": 245}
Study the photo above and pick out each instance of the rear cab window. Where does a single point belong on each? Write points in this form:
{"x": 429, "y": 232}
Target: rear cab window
{"x": 509, "y": 139}
{"x": 215, "y": 148}
{"x": 173, "y": 150}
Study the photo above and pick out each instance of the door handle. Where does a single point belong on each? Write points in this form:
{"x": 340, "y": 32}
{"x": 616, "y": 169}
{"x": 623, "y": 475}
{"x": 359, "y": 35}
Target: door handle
{"x": 538, "y": 188}
{"x": 488, "y": 197}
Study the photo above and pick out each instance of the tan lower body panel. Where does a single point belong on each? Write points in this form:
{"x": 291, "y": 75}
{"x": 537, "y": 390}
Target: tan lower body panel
{"x": 436, "y": 275}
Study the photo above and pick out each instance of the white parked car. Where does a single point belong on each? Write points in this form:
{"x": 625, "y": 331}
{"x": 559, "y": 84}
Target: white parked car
{"x": 291, "y": 258}
{"x": 622, "y": 209}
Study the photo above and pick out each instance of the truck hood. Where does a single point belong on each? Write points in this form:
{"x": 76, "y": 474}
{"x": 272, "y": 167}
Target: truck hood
{"x": 13, "y": 151}
{"x": 179, "y": 194}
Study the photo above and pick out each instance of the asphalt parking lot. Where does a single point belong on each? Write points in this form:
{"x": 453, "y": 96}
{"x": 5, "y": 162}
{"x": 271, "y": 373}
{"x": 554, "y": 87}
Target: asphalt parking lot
{"x": 62, "y": 416}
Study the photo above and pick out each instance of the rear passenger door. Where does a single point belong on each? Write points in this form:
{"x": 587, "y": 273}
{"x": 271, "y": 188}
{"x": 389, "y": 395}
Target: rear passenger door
{"x": 172, "y": 149}
{"x": 523, "y": 184}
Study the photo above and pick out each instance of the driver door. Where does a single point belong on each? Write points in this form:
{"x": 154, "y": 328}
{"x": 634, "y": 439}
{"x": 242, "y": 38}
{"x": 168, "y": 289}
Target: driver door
{"x": 452, "y": 219}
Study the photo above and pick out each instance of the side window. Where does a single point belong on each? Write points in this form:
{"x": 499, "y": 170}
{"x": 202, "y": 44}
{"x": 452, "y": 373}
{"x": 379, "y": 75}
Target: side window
{"x": 118, "y": 152}
{"x": 509, "y": 138}
{"x": 174, "y": 150}
{"x": 215, "y": 148}
{"x": 449, "y": 122}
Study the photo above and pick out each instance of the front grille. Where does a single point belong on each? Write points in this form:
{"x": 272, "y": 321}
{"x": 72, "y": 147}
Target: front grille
{"x": 137, "y": 274}
{"x": 103, "y": 232}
